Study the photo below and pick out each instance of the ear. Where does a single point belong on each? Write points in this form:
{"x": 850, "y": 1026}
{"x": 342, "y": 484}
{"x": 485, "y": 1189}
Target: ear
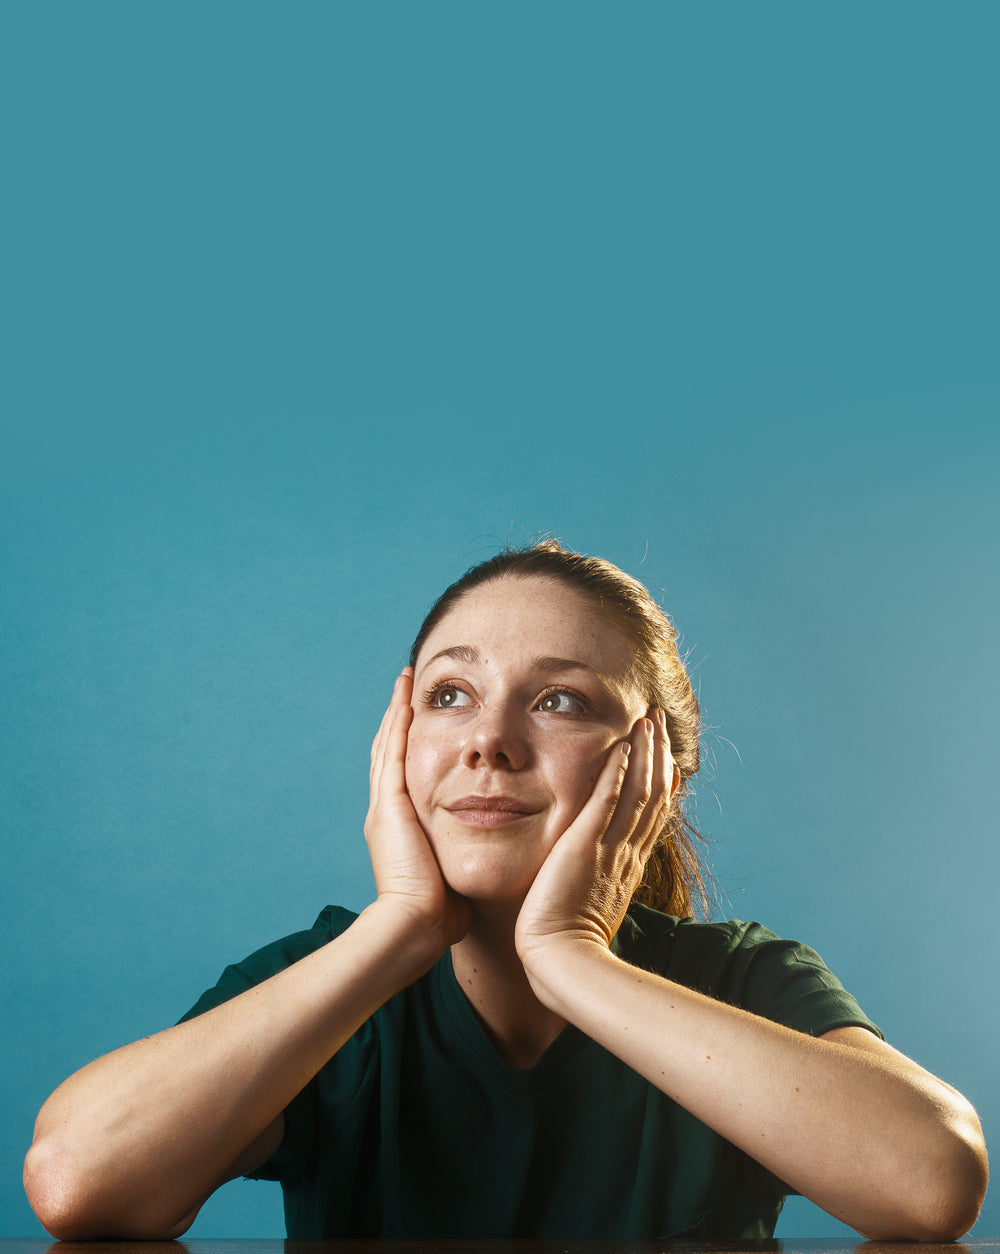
{"x": 675, "y": 783}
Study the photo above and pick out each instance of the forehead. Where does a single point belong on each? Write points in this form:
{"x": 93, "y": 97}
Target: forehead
{"x": 512, "y": 618}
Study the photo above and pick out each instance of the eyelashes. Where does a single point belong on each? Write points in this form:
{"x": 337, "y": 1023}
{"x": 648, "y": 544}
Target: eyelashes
{"x": 435, "y": 697}
{"x": 559, "y": 694}
{"x": 449, "y": 695}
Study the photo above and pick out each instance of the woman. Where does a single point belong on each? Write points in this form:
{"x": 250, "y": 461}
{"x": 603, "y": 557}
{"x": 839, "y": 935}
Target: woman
{"x": 495, "y": 1047}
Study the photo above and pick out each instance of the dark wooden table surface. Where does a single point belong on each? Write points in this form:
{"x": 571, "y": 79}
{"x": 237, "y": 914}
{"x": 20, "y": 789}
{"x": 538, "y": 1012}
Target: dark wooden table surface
{"x": 787, "y": 1245}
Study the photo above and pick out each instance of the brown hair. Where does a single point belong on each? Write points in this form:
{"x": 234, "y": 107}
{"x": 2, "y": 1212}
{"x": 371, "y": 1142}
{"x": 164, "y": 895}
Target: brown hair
{"x": 674, "y": 877}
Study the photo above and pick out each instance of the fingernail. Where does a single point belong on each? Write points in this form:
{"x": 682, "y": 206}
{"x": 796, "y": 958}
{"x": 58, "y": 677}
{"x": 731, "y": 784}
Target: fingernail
{"x": 626, "y": 748}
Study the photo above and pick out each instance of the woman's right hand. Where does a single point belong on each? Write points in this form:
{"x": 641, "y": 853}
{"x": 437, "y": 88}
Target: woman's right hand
{"x": 131, "y": 1145}
{"x": 406, "y": 872}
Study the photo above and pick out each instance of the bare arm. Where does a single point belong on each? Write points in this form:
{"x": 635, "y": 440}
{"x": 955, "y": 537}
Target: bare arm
{"x": 845, "y": 1120}
{"x": 132, "y": 1145}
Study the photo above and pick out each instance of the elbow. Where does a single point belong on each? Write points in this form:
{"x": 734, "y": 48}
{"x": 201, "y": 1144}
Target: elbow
{"x": 49, "y": 1188}
{"x": 961, "y": 1190}
{"x": 945, "y": 1196}
{"x": 71, "y": 1208}
{"x": 964, "y": 1174}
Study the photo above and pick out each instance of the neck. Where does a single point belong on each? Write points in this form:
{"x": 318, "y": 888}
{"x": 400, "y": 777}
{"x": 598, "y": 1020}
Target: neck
{"x": 491, "y": 976}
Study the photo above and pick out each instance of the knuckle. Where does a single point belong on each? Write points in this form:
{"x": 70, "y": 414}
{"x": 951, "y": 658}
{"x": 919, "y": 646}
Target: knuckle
{"x": 610, "y": 797}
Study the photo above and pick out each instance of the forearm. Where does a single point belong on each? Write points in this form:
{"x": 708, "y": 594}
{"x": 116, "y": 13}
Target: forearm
{"x": 131, "y": 1145}
{"x": 866, "y": 1134}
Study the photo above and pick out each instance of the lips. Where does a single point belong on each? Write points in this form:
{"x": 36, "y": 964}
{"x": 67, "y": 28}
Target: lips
{"x": 490, "y": 811}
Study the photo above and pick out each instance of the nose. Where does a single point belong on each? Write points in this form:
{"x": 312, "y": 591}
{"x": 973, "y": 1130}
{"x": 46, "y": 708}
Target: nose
{"x": 496, "y": 738}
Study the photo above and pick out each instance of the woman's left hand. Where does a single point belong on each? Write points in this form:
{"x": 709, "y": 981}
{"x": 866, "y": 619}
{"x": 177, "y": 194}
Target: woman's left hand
{"x": 584, "y": 886}
{"x": 843, "y": 1119}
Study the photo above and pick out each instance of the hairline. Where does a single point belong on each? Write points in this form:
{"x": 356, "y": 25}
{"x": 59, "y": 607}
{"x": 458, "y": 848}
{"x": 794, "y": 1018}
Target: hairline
{"x": 633, "y": 681}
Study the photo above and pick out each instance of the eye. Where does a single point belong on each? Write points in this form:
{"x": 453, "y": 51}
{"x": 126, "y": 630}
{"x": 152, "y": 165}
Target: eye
{"x": 447, "y": 697}
{"x": 561, "y": 702}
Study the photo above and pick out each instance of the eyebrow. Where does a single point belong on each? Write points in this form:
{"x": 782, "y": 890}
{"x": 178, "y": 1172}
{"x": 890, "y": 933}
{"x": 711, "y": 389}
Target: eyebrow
{"x": 548, "y": 663}
{"x": 472, "y": 657}
{"x": 460, "y": 652}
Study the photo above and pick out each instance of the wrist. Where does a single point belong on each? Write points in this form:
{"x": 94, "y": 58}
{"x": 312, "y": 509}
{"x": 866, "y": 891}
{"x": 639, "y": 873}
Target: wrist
{"x": 562, "y": 968}
{"x": 412, "y": 943}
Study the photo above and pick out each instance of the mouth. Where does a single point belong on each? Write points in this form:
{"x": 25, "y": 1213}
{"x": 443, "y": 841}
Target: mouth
{"x": 490, "y": 811}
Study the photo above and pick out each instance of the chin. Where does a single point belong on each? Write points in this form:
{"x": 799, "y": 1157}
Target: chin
{"x": 484, "y": 879}
{"x": 488, "y": 865}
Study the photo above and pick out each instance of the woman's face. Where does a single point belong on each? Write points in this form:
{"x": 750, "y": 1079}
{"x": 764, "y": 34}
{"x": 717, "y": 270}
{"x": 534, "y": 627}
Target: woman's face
{"x": 519, "y": 693}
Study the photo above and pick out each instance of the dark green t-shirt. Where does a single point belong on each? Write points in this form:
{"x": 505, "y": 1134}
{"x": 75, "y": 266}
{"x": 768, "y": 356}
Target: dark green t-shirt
{"x": 417, "y": 1128}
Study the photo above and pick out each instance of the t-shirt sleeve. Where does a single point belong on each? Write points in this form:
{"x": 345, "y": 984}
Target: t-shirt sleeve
{"x": 787, "y": 982}
{"x": 258, "y": 967}
{"x": 746, "y": 965}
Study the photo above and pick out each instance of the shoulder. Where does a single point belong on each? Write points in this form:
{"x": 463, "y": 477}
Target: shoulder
{"x": 745, "y": 964}
{"x": 272, "y": 958}
{"x": 703, "y": 952}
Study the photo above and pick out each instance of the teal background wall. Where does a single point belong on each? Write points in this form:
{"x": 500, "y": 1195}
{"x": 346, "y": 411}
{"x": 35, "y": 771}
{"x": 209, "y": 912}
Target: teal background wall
{"x": 308, "y": 307}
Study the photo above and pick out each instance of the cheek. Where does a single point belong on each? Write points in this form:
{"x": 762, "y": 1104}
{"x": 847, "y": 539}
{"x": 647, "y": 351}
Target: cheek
{"x": 424, "y": 756}
{"x": 576, "y": 767}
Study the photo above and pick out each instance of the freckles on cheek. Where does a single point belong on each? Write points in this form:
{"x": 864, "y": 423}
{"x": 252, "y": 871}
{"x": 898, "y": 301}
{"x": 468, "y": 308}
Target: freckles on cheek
{"x": 579, "y": 774}
{"x": 421, "y": 757}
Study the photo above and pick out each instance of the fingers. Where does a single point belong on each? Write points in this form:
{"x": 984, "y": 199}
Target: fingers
{"x": 662, "y": 783}
{"x": 647, "y": 785}
{"x": 389, "y": 745}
